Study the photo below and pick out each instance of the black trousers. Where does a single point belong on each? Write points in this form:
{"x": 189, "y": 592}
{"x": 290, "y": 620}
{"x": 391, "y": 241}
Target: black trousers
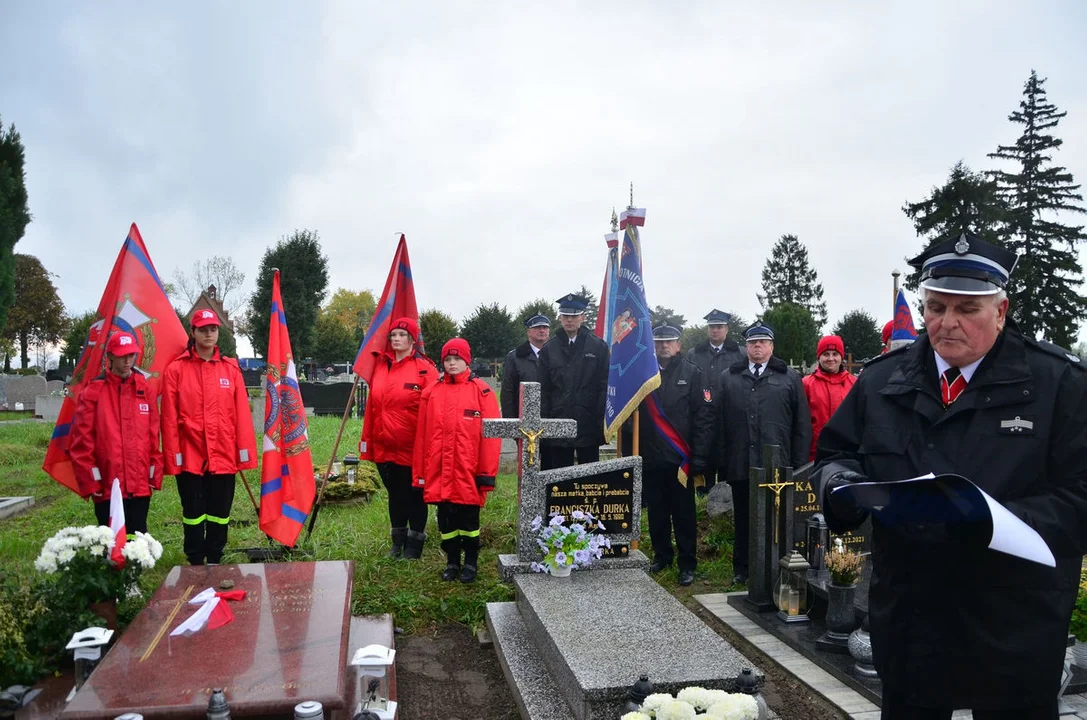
{"x": 671, "y": 509}
{"x": 741, "y": 521}
{"x": 135, "y": 513}
{"x": 556, "y": 456}
{"x": 894, "y": 708}
{"x": 459, "y": 526}
{"x": 205, "y": 511}
{"x": 406, "y": 506}
{"x": 711, "y": 479}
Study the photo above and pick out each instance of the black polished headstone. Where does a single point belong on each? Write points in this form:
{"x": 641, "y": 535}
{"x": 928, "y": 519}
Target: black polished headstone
{"x": 609, "y": 497}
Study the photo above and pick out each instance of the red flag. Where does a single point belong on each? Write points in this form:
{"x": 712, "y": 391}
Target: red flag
{"x": 117, "y": 524}
{"x": 287, "y": 487}
{"x": 134, "y": 302}
{"x": 397, "y": 301}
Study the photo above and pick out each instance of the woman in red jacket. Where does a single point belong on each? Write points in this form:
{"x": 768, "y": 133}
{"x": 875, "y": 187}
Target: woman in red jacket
{"x": 115, "y": 434}
{"x": 454, "y": 464}
{"x": 827, "y": 386}
{"x": 388, "y": 433}
{"x": 207, "y": 437}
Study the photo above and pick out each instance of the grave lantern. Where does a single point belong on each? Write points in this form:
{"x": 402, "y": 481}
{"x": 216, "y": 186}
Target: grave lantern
{"x": 86, "y": 646}
{"x": 351, "y": 464}
{"x": 817, "y": 540}
{"x": 372, "y": 665}
{"x": 791, "y": 591}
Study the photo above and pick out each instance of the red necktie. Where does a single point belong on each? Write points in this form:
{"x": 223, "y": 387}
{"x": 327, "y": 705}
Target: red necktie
{"x": 952, "y": 383}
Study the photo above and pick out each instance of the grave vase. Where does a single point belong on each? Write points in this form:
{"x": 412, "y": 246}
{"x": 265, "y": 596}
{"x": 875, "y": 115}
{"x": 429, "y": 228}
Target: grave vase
{"x": 562, "y": 572}
{"x": 107, "y": 610}
{"x": 841, "y": 616}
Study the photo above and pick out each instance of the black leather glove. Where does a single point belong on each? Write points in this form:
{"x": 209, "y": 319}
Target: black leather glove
{"x": 484, "y": 481}
{"x": 841, "y": 506}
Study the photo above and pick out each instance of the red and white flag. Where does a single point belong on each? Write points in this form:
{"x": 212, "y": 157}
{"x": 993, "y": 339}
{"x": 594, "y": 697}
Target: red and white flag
{"x": 117, "y": 524}
{"x": 632, "y": 216}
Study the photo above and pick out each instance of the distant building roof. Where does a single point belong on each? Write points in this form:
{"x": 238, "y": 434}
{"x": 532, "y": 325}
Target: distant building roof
{"x": 209, "y": 300}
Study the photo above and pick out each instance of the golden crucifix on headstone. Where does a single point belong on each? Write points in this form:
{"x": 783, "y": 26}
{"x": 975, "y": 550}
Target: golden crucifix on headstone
{"x": 777, "y": 486}
{"x": 531, "y": 449}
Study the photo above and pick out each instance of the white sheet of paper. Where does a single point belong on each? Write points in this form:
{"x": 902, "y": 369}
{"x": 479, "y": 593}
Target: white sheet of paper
{"x": 1014, "y": 537}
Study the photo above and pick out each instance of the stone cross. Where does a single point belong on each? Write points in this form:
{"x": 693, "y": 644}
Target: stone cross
{"x": 528, "y": 429}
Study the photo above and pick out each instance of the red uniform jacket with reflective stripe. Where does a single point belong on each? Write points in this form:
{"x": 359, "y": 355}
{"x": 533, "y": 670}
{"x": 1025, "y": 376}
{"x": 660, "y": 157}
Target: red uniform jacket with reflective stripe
{"x": 115, "y": 434}
{"x": 825, "y": 393}
{"x": 451, "y": 452}
{"x": 392, "y": 408}
{"x": 206, "y": 423}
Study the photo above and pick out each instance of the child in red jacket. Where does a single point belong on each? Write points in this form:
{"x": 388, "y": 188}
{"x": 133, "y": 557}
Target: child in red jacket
{"x": 115, "y": 434}
{"x": 454, "y": 464}
{"x": 207, "y": 437}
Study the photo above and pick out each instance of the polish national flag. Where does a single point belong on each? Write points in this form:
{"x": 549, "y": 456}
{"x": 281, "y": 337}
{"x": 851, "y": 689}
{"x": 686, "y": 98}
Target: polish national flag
{"x": 632, "y": 216}
{"x": 117, "y": 524}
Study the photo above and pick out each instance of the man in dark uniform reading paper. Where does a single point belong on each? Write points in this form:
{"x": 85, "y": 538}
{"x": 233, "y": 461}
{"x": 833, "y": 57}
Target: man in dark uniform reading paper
{"x": 955, "y": 624}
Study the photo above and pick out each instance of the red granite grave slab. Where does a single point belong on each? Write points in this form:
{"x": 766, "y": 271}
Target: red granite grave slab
{"x": 288, "y": 643}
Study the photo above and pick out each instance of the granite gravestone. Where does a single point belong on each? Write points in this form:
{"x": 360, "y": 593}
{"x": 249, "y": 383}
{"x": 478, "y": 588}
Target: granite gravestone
{"x": 24, "y": 390}
{"x": 288, "y": 643}
{"x": 610, "y": 490}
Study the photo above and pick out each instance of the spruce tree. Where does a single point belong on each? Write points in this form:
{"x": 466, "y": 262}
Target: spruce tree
{"x": 1044, "y": 289}
{"x": 968, "y": 202}
{"x": 14, "y": 212}
{"x": 787, "y": 278}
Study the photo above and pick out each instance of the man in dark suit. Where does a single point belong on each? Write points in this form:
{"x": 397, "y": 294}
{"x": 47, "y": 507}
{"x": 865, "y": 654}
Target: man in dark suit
{"x": 522, "y": 364}
{"x": 573, "y": 373}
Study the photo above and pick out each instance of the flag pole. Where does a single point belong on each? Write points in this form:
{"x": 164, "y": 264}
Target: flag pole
{"x": 250, "y": 491}
{"x": 331, "y": 460}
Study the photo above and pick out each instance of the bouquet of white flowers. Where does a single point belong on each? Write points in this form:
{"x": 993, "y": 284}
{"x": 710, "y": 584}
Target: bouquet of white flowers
{"x": 568, "y": 546}
{"x": 80, "y": 558}
{"x": 697, "y": 702}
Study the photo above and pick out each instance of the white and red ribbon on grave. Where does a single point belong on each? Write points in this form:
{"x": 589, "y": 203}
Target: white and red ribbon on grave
{"x": 213, "y": 612}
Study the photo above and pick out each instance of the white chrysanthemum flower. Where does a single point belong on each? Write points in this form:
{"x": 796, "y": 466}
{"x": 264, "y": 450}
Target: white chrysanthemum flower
{"x": 65, "y": 556}
{"x": 46, "y": 562}
{"x": 98, "y": 550}
{"x": 635, "y": 716}
{"x": 654, "y": 701}
{"x": 737, "y": 706}
{"x": 675, "y": 710}
{"x": 697, "y": 696}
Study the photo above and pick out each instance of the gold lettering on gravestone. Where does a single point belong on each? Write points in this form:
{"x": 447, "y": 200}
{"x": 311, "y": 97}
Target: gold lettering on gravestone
{"x": 777, "y": 486}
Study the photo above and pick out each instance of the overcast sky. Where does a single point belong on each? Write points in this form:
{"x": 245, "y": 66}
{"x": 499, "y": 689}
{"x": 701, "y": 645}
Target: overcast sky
{"x": 498, "y": 136}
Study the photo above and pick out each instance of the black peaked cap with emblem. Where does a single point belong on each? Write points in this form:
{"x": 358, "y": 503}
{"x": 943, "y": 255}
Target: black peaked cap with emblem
{"x": 666, "y": 332}
{"x": 717, "y": 317}
{"x": 965, "y": 266}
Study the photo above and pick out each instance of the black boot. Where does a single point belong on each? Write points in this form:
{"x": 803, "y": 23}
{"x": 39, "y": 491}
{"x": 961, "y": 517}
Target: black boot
{"x": 471, "y": 558}
{"x": 451, "y": 548}
{"x": 399, "y": 535}
{"x": 413, "y": 545}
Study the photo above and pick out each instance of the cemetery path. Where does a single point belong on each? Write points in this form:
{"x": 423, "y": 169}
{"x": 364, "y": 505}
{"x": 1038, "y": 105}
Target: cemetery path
{"x": 446, "y": 675}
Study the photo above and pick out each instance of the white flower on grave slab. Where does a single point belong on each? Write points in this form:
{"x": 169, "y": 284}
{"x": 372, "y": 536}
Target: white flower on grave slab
{"x": 635, "y": 716}
{"x": 676, "y": 710}
{"x": 654, "y": 701}
{"x": 736, "y": 706}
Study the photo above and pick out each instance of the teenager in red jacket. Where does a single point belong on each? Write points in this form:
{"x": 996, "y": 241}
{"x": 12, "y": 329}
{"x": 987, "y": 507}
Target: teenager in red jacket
{"x": 454, "y": 464}
{"x": 207, "y": 437}
{"x": 388, "y": 433}
{"x": 115, "y": 434}
{"x": 827, "y": 386}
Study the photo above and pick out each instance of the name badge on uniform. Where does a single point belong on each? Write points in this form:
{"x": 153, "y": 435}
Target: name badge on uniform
{"x": 681, "y": 382}
{"x": 1017, "y": 426}
{"x": 144, "y": 408}
{"x": 224, "y": 382}
{"x": 472, "y": 414}
{"x": 590, "y": 355}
